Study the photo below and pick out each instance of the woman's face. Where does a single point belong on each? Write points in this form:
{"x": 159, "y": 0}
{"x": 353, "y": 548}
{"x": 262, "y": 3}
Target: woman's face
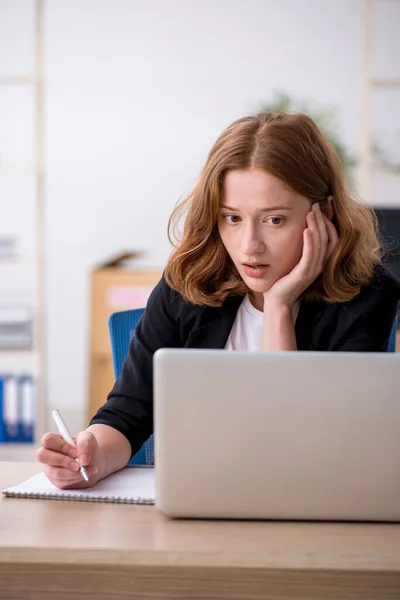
{"x": 261, "y": 224}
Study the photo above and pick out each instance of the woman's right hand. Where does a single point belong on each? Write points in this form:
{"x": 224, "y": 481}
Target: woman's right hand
{"x": 61, "y": 467}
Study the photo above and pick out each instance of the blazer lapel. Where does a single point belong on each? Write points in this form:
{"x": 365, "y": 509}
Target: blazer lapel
{"x": 217, "y": 324}
{"x": 307, "y": 334}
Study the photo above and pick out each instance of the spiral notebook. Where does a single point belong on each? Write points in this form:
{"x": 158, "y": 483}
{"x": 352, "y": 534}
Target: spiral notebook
{"x": 133, "y": 485}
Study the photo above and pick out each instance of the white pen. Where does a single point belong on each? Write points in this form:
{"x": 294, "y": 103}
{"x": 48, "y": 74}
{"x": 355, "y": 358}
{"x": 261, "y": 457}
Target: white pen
{"x": 62, "y": 428}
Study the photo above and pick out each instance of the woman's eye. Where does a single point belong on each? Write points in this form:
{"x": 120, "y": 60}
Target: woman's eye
{"x": 231, "y": 218}
{"x": 275, "y": 220}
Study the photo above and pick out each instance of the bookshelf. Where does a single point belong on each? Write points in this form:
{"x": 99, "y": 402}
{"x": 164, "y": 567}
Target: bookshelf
{"x": 21, "y": 181}
{"x": 371, "y": 179}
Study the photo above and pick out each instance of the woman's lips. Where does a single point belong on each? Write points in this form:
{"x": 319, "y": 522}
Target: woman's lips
{"x": 255, "y": 271}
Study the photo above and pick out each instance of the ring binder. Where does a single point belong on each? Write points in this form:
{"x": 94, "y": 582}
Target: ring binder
{"x": 2, "y": 424}
{"x": 17, "y": 408}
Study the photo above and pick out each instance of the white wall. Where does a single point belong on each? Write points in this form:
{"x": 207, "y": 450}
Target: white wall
{"x": 136, "y": 92}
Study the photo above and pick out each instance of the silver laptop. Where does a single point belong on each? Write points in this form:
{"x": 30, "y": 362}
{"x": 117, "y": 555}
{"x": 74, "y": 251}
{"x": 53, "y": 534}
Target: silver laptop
{"x": 288, "y": 435}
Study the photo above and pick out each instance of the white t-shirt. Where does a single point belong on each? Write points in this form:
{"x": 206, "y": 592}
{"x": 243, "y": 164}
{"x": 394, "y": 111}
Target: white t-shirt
{"x": 247, "y": 330}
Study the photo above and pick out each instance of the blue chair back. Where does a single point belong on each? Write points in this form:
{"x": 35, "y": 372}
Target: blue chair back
{"x": 392, "y": 340}
{"x": 122, "y": 327}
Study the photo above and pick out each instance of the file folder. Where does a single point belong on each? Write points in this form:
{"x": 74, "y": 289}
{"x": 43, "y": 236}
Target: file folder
{"x": 10, "y": 408}
{"x": 26, "y": 409}
{"x": 17, "y": 408}
{"x": 2, "y": 425}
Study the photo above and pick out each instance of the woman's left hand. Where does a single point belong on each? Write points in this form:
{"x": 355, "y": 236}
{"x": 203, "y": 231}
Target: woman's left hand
{"x": 319, "y": 240}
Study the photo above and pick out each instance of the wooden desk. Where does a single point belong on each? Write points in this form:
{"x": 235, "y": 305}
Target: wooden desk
{"x": 56, "y": 550}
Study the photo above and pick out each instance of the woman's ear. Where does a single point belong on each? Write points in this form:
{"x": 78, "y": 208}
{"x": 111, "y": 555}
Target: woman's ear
{"x": 327, "y": 207}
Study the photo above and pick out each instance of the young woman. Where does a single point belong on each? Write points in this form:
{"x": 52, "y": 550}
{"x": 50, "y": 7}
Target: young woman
{"x": 275, "y": 255}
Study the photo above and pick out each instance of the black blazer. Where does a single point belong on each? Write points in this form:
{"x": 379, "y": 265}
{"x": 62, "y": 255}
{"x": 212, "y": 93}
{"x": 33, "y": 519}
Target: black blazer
{"x": 363, "y": 324}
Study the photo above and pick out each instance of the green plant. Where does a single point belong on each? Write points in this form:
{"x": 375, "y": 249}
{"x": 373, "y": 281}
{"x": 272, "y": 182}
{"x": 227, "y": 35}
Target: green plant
{"x": 326, "y": 119}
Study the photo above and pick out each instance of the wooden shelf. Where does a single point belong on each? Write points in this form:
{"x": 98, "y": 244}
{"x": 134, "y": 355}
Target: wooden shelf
{"x": 17, "y": 80}
{"x": 386, "y": 82}
{"x": 13, "y": 351}
{"x": 18, "y": 452}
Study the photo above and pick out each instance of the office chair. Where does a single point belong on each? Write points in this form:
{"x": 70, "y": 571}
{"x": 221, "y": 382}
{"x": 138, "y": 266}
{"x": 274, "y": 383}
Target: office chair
{"x": 392, "y": 340}
{"x": 122, "y": 327}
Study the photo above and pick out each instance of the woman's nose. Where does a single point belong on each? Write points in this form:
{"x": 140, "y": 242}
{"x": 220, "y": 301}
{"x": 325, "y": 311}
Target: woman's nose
{"x": 252, "y": 242}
